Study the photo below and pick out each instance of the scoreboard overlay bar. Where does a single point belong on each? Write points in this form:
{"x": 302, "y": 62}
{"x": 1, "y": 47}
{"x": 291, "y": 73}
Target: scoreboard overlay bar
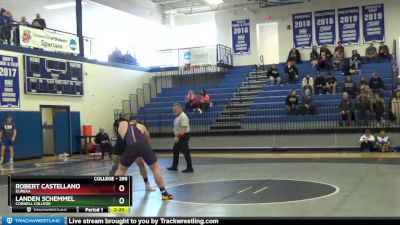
{"x": 69, "y": 193}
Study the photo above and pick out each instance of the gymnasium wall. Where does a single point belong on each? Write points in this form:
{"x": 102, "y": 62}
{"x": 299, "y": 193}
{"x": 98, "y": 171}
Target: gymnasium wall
{"x": 104, "y": 89}
{"x": 283, "y": 15}
{"x": 297, "y": 142}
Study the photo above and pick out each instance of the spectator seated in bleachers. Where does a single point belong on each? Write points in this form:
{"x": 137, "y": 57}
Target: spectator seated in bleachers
{"x": 204, "y": 102}
{"x": 308, "y": 83}
{"x": 340, "y": 48}
{"x": 371, "y": 53}
{"x": 273, "y": 75}
{"x": 338, "y": 58}
{"x": 320, "y": 84}
{"x": 376, "y": 84}
{"x": 324, "y": 62}
{"x": 129, "y": 59}
{"x": 116, "y": 56}
{"x": 350, "y": 87}
{"x": 355, "y": 60}
{"x": 395, "y": 106}
{"x": 331, "y": 83}
{"x": 346, "y": 109}
{"x": 291, "y": 74}
{"x": 347, "y": 69}
{"x": 39, "y": 22}
{"x": 314, "y": 55}
{"x": 191, "y": 102}
{"x": 103, "y": 140}
{"x": 325, "y": 49}
{"x": 292, "y": 103}
{"x": 363, "y": 82}
{"x": 307, "y": 104}
{"x": 367, "y": 141}
{"x": 384, "y": 53}
{"x": 294, "y": 56}
{"x": 382, "y": 142}
{"x": 378, "y": 107}
{"x": 362, "y": 108}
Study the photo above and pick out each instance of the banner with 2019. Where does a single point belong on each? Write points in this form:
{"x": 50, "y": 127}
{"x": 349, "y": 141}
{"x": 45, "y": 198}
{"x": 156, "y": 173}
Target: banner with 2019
{"x": 348, "y": 20}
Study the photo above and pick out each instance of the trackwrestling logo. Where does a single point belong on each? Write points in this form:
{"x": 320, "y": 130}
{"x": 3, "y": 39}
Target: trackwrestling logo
{"x": 33, "y": 220}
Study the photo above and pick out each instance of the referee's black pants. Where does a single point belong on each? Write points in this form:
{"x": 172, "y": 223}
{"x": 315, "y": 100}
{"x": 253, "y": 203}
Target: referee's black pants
{"x": 182, "y": 145}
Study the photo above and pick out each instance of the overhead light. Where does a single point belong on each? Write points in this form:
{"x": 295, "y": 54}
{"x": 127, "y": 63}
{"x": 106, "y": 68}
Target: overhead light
{"x": 214, "y": 2}
{"x": 62, "y": 5}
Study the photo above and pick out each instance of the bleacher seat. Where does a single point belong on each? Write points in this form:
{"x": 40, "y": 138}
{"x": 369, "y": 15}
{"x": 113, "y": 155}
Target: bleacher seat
{"x": 268, "y": 106}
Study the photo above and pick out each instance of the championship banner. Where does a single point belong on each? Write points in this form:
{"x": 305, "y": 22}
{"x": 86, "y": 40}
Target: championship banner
{"x": 302, "y": 30}
{"x": 49, "y": 41}
{"x": 241, "y": 36}
{"x": 349, "y": 25}
{"x": 9, "y": 82}
{"x": 373, "y": 23}
{"x": 325, "y": 27}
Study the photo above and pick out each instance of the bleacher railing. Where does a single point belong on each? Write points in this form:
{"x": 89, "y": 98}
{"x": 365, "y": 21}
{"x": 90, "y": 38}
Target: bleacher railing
{"x": 270, "y": 121}
{"x": 218, "y": 55}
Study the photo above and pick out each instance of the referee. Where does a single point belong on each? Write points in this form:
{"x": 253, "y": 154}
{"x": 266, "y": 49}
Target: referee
{"x": 181, "y": 132}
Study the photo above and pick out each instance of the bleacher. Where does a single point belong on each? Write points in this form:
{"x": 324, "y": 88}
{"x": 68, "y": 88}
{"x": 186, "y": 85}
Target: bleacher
{"x": 268, "y": 106}
{"x": 273, "y": 97}
{"x": 159, "y": 111}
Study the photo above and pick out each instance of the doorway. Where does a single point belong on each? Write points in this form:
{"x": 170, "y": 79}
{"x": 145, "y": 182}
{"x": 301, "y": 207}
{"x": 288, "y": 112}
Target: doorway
{"x": 56, "y": 128}
{"x": 268, "y": 42}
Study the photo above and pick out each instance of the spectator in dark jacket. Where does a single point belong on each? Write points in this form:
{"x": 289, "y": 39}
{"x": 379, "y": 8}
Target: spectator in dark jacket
{"x": 292, "y": 102}
{"x": 362, "y": 108}
{"x": 320, "y": 84}
{"x": 371, "y": 53}
{"x": 363, "y": 82}
{"x": 349, "y": 86}
{"x": 345, "y": 108}
{"x": 325, "y": 49}
{"x": 103, "y": 140}
{"x": 378, "y": 106}
{"x": 5, "y": 32}
{"x": 39, "y": 22}
{"x": 384, "y": 52}
{"x": 314, "y": 55}
{"x": 355, "y": 60}
{"x": 307, "y": 104}
{"x": 273, "y": 75}
{"x": 324, "y": 62}
{"x": 291, "y": 73}
{"x": 294, "y": 56}
{"x": 340, "y": 48}
{"x": 376, "y": 84}
{"x": 331, "y": 83}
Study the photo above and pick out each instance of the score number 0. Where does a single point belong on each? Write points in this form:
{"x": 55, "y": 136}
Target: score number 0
{"x": 121, "y": 200}
{"x": 121, "y": 188}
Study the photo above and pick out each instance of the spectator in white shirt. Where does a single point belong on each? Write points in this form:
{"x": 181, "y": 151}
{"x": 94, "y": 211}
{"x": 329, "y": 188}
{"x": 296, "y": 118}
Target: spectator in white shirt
{"x": 383, "y": 142}
{"x": 367, "y": 141}
{"x": 308, "y": 83}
